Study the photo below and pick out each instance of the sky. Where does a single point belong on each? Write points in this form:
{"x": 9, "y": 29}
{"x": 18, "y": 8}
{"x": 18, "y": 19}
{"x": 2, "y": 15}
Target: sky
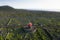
{"x": 51, "y": 5}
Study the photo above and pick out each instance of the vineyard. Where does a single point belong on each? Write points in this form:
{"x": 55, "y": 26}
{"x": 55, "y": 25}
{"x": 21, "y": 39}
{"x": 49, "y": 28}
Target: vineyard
{"x": 12, "y": 22}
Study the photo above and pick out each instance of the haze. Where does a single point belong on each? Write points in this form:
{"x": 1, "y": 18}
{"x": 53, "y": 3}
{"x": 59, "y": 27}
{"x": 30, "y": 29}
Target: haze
{"x": 50, "y": 5}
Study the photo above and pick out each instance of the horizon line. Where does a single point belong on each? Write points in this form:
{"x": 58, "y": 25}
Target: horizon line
{"x": 33, "y": 9}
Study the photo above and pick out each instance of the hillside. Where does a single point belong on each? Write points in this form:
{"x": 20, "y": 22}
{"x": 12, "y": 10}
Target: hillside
{"x": 13, "y": 20}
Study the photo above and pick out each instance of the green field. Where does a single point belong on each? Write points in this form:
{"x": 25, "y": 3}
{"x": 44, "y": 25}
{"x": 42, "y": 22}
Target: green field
{"x": 13, "y": 20}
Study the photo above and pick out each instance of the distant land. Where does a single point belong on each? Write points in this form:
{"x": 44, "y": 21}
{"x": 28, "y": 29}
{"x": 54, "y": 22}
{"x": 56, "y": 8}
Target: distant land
{"x": 8, "y": 12}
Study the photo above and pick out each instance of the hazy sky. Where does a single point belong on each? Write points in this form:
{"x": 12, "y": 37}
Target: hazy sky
{"x": 53, "y": 5}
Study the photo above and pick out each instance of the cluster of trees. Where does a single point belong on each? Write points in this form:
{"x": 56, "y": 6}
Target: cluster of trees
{"x": 20, "y": 34}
